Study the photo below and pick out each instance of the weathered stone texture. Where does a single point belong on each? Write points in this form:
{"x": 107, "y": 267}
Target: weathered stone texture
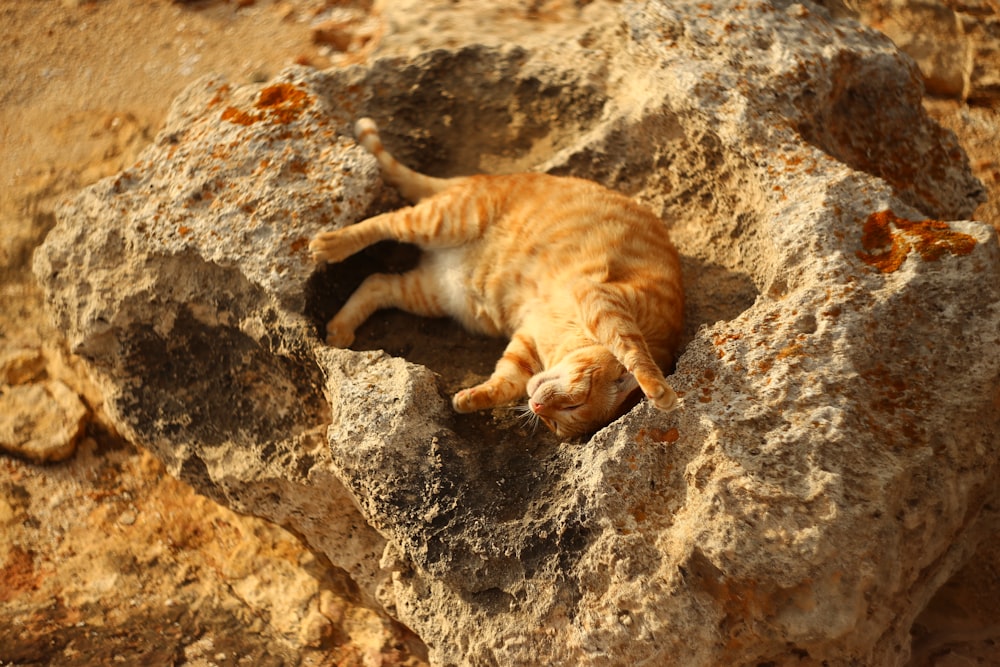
{"x": 839, "y": 428}
{"x": 955, "y": 43}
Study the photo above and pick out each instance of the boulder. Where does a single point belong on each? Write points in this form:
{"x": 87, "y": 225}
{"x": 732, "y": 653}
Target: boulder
{"x": 838, "y": 436}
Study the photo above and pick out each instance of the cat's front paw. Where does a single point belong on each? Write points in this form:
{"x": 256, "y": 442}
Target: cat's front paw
{"x": 472, "y": 399}
{"x": 329, "y": 247}
{"x": 496, "y": 391}
{"x": 663, "y": 397}
{"x": 465, "y": 401}
{"x": 338, "y": 337}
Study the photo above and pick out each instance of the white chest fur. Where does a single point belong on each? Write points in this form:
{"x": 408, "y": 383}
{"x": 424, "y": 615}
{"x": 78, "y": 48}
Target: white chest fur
{"x": 453, "y": 274}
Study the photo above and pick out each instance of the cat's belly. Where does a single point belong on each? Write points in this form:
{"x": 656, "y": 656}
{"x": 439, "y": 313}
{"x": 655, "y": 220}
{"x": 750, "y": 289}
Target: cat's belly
{"x": 451, "y": 268}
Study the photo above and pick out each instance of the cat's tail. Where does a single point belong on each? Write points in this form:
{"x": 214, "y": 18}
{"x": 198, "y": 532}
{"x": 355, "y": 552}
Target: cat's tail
{"x": 413, "y": 185}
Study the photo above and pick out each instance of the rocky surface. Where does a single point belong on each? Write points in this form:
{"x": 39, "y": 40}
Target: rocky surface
{"x": 955, "y": 44}
{"x": 81, "y": 588}
{"x": 834, "y": 461}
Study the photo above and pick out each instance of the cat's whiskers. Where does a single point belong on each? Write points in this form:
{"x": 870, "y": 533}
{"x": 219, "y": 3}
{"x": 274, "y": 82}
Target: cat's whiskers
{"x": 526, "y": 416}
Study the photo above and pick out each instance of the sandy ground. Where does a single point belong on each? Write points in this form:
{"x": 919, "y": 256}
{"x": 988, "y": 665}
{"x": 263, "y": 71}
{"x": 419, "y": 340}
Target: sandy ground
{"x": 103, "y": 557}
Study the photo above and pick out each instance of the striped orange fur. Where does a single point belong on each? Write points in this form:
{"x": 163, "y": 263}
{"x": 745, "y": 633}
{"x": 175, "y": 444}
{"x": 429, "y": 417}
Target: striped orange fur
{"x": 583, "y": 281}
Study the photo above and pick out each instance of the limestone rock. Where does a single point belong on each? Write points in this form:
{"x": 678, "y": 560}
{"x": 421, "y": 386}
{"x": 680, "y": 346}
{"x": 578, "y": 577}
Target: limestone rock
{"x": 41, "y": 418}
{"x": 955, "y": 44}
{"x": 839, "y": 428}
{"x": 42, "y": 421}
{"x": 47, "y": 401}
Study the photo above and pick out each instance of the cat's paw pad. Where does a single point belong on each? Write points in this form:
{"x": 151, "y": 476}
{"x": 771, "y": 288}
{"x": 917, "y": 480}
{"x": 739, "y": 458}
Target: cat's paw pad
{"x": 328, "y": 247}
{"x": 663, "y": 398}
{"x": 337, "y": 337}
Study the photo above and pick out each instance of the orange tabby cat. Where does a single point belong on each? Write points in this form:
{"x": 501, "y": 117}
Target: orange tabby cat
{"x": 584, "y": 282}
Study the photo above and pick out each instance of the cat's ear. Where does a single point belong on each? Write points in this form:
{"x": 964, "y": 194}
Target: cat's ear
{"x": 626, "y": 383}
{"x": 629, "y": 394}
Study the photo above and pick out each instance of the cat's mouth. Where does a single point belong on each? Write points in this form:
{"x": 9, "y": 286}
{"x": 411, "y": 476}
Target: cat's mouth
{"x": 549, "y": 408}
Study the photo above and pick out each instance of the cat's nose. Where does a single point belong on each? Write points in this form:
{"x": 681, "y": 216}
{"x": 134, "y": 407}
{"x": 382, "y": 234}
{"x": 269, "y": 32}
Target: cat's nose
{"x": 535, "y": 407}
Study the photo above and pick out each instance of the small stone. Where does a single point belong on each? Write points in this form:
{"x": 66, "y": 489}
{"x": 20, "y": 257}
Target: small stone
{"x": 21, "y": 366}
{"x": 42, "y": 422}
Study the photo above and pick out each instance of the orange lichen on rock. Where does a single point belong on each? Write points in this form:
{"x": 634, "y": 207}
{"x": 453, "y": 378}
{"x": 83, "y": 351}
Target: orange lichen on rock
{"x": 234, "y": 115}
{"x": 19, "y": 574}
{"x": 651, "y": 435}
{"x": 887, "y": 239}
{"x": 794, "y": 349}
{"x": 281, "y": 104}
{"x": 220, "y": 94}
{"x": 284, "y": 102}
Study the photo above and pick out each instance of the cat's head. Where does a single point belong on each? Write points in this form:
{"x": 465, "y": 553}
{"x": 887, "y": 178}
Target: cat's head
{"x": 585, "y": 391}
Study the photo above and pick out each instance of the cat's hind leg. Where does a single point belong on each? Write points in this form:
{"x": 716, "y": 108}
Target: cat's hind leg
{"x": 412, "y": 291}
{"x": 509, "y": 379}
